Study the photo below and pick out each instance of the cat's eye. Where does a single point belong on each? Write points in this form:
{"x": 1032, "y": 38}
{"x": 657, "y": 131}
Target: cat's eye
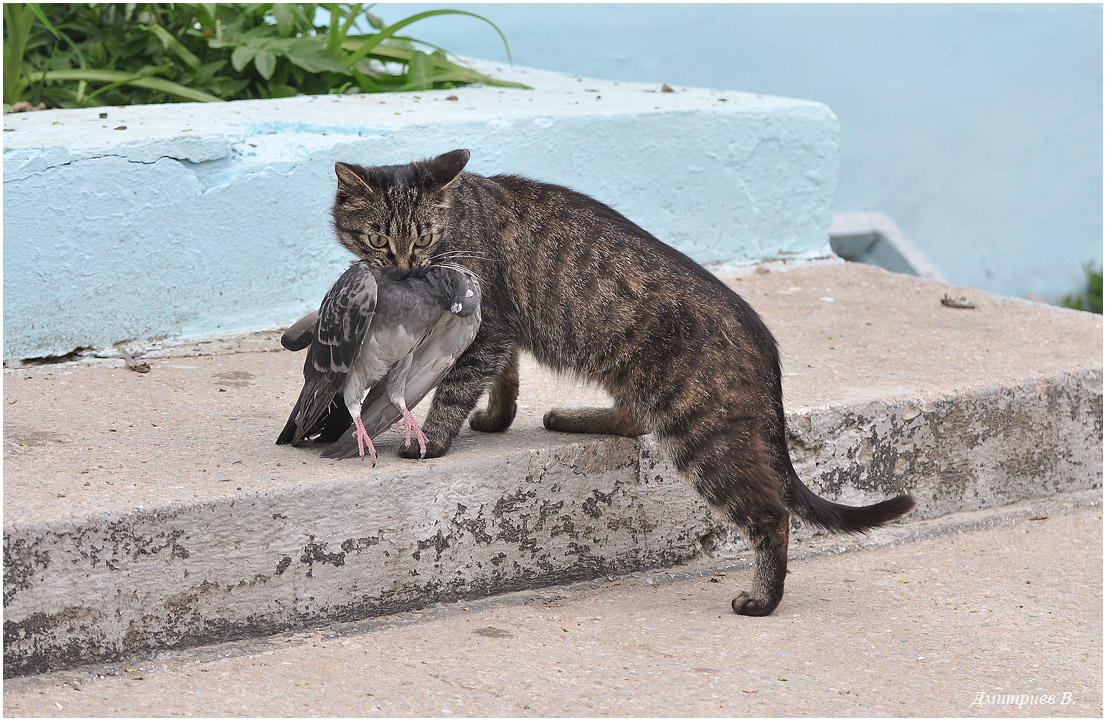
{"x": 424, "y": 240}
{"x": 377, "y": 241}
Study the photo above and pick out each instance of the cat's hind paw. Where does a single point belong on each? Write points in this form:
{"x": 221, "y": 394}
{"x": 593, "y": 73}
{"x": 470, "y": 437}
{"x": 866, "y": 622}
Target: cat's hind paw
{"x": 488, "y": 422}
{"x": 744, "y": 604}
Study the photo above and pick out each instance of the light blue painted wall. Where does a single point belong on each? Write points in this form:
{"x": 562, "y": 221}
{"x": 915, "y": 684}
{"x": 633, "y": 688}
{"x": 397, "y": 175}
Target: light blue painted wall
{"x": 978, "y": 128}
{"x": 203, "y": 218}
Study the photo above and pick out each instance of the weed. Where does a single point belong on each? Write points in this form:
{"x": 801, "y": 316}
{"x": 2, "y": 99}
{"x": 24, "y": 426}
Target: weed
{"x": 1090, "y": 298}
{"x": 77, "y": 55}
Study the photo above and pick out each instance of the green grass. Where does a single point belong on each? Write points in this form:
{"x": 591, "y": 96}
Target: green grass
{"x": 77, "y": 55}
{"x": 1090, "y": 297}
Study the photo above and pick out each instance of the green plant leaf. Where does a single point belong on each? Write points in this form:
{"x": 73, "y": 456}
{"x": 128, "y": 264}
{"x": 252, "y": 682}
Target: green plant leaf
{"x": 285, "y": 14}
{"x": 229, "y": 87}
{"x": 206, "y": 73}
{"x": 464, "y": 75}
{"x": 142, "y": 53}
{"x": 373, "y": 40}
{"x": 265, "y": 62}
{"x": 170, "y": 42}
{"x": 17, "y": 28}
{"x": 241, "y": 57}
{"x": 276, "y": 90}
{"x": 37, "y": 11}
{"x": 161, "y": 85}
{"x": 142, "y": 74}
{"x": 311, "y": 55}
{"x": 1090, "y": 298}
{"x": 374, "y": 20}
{"x": 419, "y": 71}
{"x": 366, "y": 83}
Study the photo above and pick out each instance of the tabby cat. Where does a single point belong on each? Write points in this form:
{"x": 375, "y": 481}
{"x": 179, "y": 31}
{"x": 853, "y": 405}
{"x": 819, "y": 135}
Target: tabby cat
{"x": 587, "y": 291}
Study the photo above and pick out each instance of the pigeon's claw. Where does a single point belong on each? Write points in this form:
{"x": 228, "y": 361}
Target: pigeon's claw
{"x": 363, "y": 439}
{"x": 410, "y": 424}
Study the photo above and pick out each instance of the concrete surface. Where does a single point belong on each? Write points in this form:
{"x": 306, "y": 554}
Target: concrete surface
{"x": 980, "y": 613}
{"x": 147, "y": 511}
{"x": 151, "y": 222}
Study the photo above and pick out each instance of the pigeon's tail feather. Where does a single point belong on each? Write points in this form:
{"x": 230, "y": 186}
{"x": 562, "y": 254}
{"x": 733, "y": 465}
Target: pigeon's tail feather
{"x": 344, "y": 447}
{"x": 288, "y": 435}
{"x": 295, "y": 430}
{"x": 327, "y": 430}
{"x": 336, "y": 422}
{"x": 309, "y": 416}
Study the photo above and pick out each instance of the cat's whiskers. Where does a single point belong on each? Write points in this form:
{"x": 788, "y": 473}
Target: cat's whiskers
{"x": 459, "y": 268}
{"x": 454, "y": 255}
{"x": 459, "y": 251}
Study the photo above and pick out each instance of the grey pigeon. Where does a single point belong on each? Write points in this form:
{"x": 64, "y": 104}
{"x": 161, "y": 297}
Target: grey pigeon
{"x": 383, "y": 332}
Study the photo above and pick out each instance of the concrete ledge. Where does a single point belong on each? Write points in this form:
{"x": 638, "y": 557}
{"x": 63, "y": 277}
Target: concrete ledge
{"x": 152, "y": 511}
{"x": 874, "y": 238}
{"x": 168, "y": 220}
{"x": 952, "y": 591}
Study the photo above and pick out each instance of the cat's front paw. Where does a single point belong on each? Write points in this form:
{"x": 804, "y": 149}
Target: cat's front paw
{"x": 434, "y": 449}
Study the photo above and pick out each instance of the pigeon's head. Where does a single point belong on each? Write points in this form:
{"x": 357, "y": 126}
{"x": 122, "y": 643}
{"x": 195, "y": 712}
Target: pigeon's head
{"x": 396, "y": 214}
{"x": 459, "y": 290}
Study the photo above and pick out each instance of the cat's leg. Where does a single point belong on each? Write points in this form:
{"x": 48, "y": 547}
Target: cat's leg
{"x": 615, "y": 421}
{"x": 729, "y": 462}
{"x": 768, "y": 537}
{"x": 502, "y": 397}
{"x": 458, "y": 393}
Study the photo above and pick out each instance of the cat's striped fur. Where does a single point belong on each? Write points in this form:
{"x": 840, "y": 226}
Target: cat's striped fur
{"x": 587, "y": 291}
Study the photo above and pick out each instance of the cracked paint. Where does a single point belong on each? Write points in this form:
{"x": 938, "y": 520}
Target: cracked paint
{"x": 549, "y": 516}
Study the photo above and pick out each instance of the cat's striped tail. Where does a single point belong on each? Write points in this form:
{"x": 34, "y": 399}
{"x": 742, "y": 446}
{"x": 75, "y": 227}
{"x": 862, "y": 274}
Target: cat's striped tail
{"x": 831, "y": 516}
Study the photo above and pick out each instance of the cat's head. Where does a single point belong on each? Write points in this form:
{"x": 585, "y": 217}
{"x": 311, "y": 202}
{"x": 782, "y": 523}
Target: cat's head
{"x": 396, "y": 214}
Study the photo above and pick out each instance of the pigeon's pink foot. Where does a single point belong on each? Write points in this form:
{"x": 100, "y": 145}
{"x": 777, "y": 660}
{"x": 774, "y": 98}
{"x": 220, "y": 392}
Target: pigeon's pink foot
{"x": 410, "y": 424}
{"x": 363, "y": 439}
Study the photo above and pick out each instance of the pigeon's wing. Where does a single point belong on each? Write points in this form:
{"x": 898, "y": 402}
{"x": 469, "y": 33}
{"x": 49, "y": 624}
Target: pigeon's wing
{"x": 302, "y": 332}
{"x": 438, "y": 353}
{"x": 336, "y": 419}
{"x": 450, "y": 338}
{"x": 340, "y": 329}
{"x": 431, "y": 360}
{"x": 344, "y": 318}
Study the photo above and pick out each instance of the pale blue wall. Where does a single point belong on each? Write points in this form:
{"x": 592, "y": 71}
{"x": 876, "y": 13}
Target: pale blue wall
{"x": 208, "y": 218}
{"x": 978, "y": 128}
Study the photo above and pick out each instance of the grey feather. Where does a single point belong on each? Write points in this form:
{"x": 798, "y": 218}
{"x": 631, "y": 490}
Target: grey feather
{"x": 300, "y": 334}
{"x": 339, "y": 332}
{"x": 411, "y": 339}
{"x": 431, "y": 360}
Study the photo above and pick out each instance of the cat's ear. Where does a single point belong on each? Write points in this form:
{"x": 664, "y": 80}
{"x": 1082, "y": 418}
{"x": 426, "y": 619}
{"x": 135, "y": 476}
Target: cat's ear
{"x": 349, "y": 181}
{"x": 439, "y": 172}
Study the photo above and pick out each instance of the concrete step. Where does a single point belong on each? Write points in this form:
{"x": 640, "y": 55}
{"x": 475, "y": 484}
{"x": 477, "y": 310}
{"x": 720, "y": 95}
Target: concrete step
{"x": 1005, "y": 603}
{"x": 152, "y": 511}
